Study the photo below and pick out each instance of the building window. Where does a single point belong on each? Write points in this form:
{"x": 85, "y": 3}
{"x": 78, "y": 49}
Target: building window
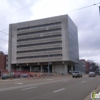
{"x": 59, "y": 35}
{"x": 38, "y": 32}
{"x": 39, "y": 50}
{"x": 40, "y": 56}
{"x": 37, "y": 26}
{"x": 45, "y": 43}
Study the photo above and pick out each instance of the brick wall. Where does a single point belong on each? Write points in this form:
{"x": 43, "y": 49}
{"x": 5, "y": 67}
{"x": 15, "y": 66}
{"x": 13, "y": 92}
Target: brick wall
{"x": 2, "y": 62}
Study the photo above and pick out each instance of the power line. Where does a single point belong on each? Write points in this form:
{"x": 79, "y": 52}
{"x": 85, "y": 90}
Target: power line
{"x": 4, "y": 32}
{"x": 32, "y": 4}
{"x": 4, "y": 29}
{"x": 84, "y": 7}
{"x": 9, "y": 41}
{"x": 8, "y": 34}
{"x": 3, "y": 39}
{"x": 17, "y": 11}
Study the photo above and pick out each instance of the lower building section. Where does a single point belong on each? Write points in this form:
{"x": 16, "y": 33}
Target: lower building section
{"x": 57, "y": 67}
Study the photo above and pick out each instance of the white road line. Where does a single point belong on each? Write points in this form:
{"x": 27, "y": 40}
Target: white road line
{"x": 16, "y": 79}
{"x": 49, "y": 79}
{"x": 83, "y": 81}
{"x": 24, "y": 86}
{"x": 5, "y": 80}
{"x": 18, "y": 83}
{"x": 29, "y": 88}
{"x": 59, "y": 90}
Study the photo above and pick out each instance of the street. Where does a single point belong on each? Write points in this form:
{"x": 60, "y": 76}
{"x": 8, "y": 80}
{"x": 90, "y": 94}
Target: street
{"x": 57, "y": 88}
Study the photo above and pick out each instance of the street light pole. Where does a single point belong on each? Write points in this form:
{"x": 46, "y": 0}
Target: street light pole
{"x": 48, "y": 64}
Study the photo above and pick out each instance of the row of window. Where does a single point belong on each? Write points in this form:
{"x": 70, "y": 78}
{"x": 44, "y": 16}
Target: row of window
{"x": 40, "y": 56}
{"x": 37, "y": 26}
{"x": 38, "y": 50}
{"x": 39, "y": 37}
{"x": 37, "y": 32}
{"x": 45, "y": 43}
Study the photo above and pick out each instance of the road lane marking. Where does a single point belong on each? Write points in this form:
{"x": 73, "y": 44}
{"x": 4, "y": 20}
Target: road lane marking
{"x": 16, "y": 79}
{"x": 49, "y": 79}
{"x": 25, "y": 86}
{"x": 29, "y": 88}
{"x": 5, "y": 80}
{"x": 19, "y": 83}
{"x": 59, "y": 90}
{"x": 83, "y": 81}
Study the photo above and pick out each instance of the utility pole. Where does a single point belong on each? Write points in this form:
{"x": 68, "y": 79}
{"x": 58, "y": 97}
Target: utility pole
{"x": 48, "y": 64}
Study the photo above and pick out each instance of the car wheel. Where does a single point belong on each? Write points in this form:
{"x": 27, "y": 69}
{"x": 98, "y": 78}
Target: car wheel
{"x": 73, "y": 76}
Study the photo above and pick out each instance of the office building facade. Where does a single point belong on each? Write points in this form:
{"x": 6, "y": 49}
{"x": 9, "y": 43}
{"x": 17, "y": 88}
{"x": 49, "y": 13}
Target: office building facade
{"x": 49, "y": 44}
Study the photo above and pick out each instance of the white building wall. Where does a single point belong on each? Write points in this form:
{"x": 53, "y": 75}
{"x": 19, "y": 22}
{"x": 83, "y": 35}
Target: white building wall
{"x": 60, "y": 68}
{"x": 66, "y": 53}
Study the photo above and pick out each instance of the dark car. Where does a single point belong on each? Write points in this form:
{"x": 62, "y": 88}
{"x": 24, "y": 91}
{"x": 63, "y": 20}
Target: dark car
{"x": 77, "y": 74}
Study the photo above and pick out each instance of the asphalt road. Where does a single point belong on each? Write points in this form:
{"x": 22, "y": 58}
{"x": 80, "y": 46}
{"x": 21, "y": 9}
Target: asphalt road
{"x": 62, "y": 88}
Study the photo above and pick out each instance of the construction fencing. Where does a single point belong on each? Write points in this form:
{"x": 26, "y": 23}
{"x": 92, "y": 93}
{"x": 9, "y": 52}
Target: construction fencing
{"x": 26, "y": 74}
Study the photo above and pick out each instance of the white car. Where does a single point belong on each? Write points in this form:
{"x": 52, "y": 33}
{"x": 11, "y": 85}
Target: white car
{"x": 77, "y": 74}
{"x": 92, "y": 74}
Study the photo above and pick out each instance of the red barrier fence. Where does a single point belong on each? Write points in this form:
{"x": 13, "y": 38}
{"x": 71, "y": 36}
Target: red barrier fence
{"x": 26, "y": 74}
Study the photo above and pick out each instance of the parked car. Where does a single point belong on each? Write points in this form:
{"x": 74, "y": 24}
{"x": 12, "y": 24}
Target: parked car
{"x": 92, "y": 74}
{"x": 4, "y": 76}
{"x": 77, "y": 74}
{"x": 16, "y": 74}
{"x": 24, "y": 74}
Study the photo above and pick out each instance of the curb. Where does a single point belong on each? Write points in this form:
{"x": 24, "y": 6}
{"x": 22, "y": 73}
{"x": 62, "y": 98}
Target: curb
{"x": 96, "y": 90}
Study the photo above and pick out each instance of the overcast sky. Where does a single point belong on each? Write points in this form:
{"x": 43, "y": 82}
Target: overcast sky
{"x": 87, "y": 20}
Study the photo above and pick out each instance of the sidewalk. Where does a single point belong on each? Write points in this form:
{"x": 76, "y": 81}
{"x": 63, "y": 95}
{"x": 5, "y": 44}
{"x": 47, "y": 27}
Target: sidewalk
{"x": 97, "y": 90}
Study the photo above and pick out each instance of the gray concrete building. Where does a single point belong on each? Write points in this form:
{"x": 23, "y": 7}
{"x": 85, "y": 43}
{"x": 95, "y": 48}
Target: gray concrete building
{"x": 81, "y": 66}
{"x": 46, "y": 45}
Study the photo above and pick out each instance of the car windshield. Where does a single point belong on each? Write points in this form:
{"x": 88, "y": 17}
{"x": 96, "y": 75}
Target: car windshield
{"x": 91, "y": 73}
{"x": 75, "y": 72}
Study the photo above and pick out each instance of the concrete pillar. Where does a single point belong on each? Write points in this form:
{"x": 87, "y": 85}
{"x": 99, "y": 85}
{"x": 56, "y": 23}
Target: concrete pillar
{"x": 75, "y": 66}
{"x": 71, "y": 68}
{"x": 65, "y": 69}
{"x": 20, "y": 68}
{"x": 53, "y": 68}
{"x": 30, "y": 68}
{"x": 41, "y": 69}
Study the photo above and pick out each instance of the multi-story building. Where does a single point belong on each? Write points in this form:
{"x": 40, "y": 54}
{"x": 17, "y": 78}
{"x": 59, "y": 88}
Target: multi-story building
{"x": 87, "y": 67}
{"x": 81, "y": 66}
{"x": 2, "y": 61}
{"x": 6, "y": 62}
{"x": 49, "y": 44}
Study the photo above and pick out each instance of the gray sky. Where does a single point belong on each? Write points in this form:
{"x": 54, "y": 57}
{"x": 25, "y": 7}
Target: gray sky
{"x": 87, "y": 20}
